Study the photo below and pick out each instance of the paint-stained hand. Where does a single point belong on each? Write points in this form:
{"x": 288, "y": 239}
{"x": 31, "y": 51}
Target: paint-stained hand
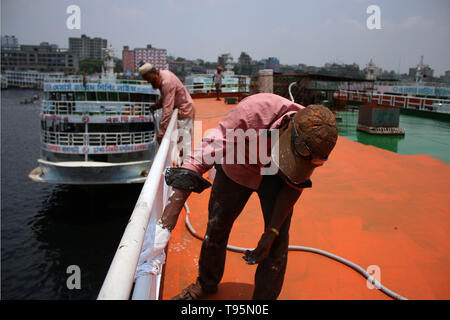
{"x": 173, "y": 208}
{"x": 262, "y": 250}
{"x": 159, "y": 138}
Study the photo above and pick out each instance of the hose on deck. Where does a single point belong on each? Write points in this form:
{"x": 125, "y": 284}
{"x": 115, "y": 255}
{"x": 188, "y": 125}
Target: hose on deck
{"x": 348, "y": 263}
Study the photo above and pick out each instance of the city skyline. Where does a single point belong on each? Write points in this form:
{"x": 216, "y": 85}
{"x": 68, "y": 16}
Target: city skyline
{"x": 296, "y": 32}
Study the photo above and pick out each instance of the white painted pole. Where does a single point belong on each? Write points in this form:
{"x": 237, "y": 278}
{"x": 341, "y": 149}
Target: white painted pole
{"x": 119, "y": 280}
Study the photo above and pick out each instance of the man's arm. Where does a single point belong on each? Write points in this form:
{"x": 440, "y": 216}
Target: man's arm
{"x": 197, "y": 163}
{"x": 284, "y": 203}
{"x": 183, "y": 181}
{"x": 167, "y": 109}
{"x": 173, "y": 208}
{"x": 158, "y": 104}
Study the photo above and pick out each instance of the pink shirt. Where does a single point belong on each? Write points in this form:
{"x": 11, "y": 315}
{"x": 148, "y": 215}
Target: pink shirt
{"x": 259, "y": 111}
{"x": 174, "y": 95}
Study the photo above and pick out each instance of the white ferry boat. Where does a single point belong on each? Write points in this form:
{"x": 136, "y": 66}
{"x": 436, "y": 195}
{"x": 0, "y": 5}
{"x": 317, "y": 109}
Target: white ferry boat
{"x": 4, "y": 81}
{"x": 97, "y": 131}
{"x": 203, "y": 83}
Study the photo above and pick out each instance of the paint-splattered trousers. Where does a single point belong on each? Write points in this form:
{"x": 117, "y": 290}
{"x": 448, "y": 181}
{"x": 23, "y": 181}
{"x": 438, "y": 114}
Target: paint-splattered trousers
{"x": 226, "y": 202}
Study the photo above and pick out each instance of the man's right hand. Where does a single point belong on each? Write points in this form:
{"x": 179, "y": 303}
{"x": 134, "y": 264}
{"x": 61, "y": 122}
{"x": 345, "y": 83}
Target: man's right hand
{"x": 157, "y": 105}
{"x": 173, "y": 208}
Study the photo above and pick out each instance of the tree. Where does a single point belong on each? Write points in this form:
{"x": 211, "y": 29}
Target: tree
{"x": 244, "y": 59}
{"x": 118, "y": 65}
{"x": 90, "y": 65}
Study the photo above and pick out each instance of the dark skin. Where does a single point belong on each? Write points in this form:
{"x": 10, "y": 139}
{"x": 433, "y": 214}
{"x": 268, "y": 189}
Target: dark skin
{"x": 284, "y": 203}
{"x": 173, "y": 208}
{"x": 153, "y": 78}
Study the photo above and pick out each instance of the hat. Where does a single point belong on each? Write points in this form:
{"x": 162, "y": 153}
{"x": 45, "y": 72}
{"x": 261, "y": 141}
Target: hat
{"x": 317, "y": 128}
{"x": 146, "y": 67}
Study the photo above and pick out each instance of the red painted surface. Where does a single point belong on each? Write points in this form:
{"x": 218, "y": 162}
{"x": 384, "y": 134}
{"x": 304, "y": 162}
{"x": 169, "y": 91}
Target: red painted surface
{"x": 367, "y": 205}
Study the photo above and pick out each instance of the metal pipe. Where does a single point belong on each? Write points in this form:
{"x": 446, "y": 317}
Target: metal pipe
{"x": 119, "y": 280}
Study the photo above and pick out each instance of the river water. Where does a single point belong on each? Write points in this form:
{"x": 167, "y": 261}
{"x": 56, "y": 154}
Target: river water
{"x": 422, "y": 136}
{"x": 45, "y": 228}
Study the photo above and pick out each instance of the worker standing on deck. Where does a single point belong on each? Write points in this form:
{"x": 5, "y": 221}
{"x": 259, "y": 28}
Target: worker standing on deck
{"x": 174, "y": 95}
{"x": 217, "y": 81}
{"x": 306, "y": 138}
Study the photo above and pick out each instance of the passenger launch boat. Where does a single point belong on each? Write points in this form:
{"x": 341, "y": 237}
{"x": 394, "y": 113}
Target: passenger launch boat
{"x": 97, "y": 131}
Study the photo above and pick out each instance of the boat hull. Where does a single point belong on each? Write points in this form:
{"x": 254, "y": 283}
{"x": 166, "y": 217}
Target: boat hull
{"x": 90, "y": 173}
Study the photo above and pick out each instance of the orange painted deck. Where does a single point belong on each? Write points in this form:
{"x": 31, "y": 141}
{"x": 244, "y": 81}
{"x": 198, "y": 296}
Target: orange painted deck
{"x": 367, "y": 205}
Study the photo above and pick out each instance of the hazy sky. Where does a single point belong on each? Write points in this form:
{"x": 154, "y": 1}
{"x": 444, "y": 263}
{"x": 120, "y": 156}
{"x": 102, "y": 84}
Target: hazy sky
{"x": 312, "y": 32}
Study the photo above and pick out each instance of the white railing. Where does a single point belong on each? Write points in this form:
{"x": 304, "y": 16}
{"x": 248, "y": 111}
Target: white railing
{"x": 409, "y": 102}
{"x": 149, "y": 207}
{"x": 413, "y": 84}
{"x": 107, "y": 108}
{"x": 97, "y": 138}
{"x": 226, "y": 88}
{"x": 92, "y": 79}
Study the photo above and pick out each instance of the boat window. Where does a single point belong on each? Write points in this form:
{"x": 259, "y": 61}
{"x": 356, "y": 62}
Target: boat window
{"x": 124, "y": 96}
{"x": 98, "y": 157}
{"x": 91, "y": 96}
{"x": 57, "y": 125}
{"x": 73, "y": 127}
{"x": 113, "y": 96}
{"x": 136, "y": 97}
{"x": 80, "y": 96}
{"x": 101, "y": 96}
{"x": 148, "y": 98}
{"x": 121, "y": 127}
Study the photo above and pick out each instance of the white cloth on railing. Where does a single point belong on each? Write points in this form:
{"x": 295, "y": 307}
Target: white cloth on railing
{"x": 153, "y": 256}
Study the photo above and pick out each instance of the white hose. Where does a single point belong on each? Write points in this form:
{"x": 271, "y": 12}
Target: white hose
{"x": 350, "y": 264}
{"x": 289, "y": 89}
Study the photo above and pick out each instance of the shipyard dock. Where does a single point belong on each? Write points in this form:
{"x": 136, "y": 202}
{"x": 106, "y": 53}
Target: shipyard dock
{"x": 379, "y": 209}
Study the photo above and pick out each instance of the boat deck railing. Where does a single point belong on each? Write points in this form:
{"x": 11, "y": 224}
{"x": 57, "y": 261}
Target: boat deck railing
{"x": 209, "y": 87}
{"x": 119, "y": 280}
{"x": 90, "y": 79}
{"x": 112, "y": 108}
{"x": 412, "y": 84}
{"x": 97, "y": 139}
{"x": 402, "y": 101}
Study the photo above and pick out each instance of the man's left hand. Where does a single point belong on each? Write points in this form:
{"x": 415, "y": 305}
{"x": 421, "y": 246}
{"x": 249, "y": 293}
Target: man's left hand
{"x": 262, "y": 250}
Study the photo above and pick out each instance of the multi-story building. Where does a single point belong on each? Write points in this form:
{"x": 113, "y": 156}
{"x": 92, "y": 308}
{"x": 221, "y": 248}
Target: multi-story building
{"x": 157, "y": 57}
{"x": 272, "y": 63}
{"x": 245, "y": 59}
{"x": 224, "y": 59}
{"x": 10, "y": 43}
{"x": 44, "y": 58}
{"x": 133, "y": 59}
{"x": 86, "y": 47}
{"x": 345, "y": 70}
{"x": 446, "y": 77}
{"x": 128, "y": 61}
